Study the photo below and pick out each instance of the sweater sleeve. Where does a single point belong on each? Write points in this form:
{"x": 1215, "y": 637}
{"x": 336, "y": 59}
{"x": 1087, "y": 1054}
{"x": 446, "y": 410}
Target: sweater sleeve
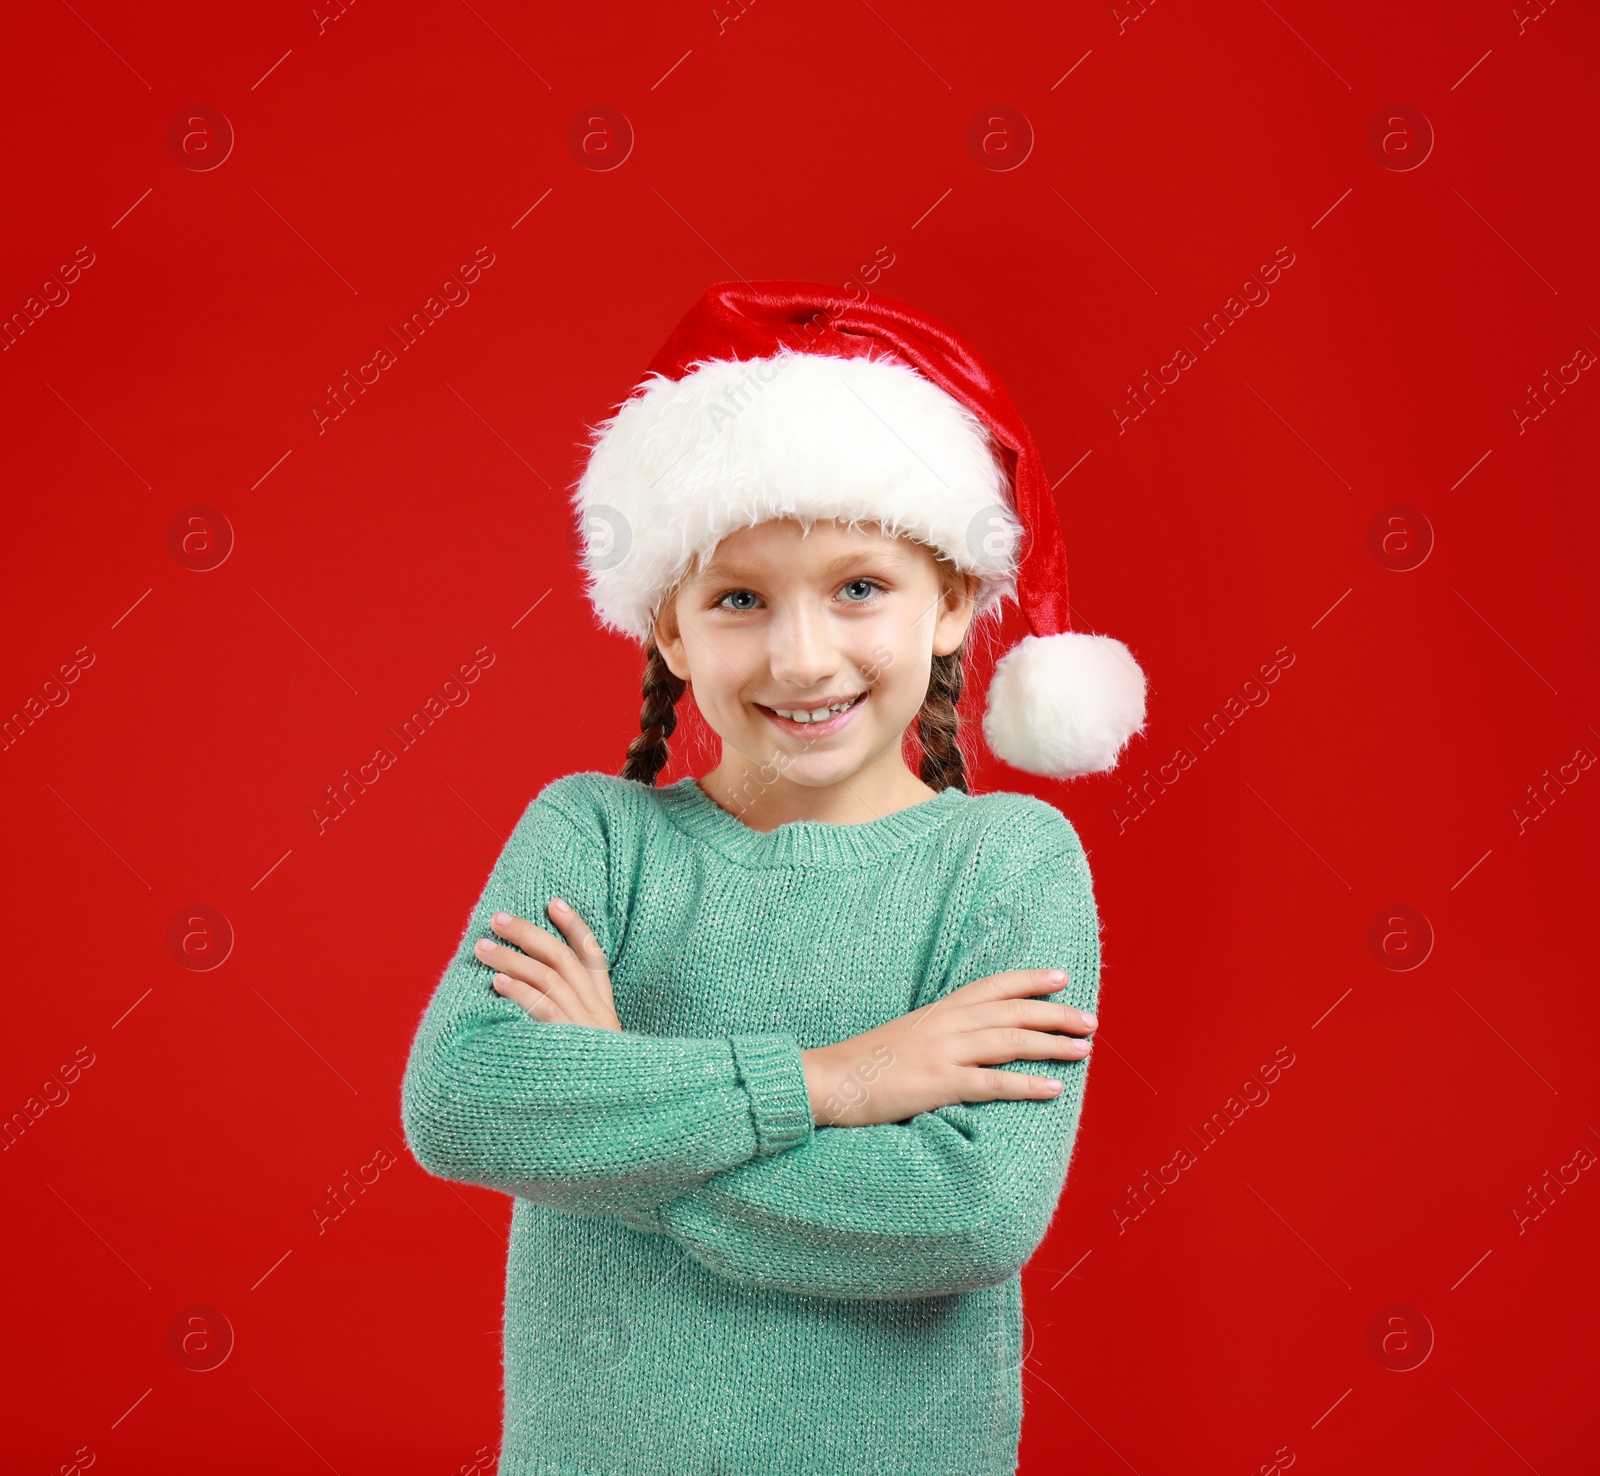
{"x": 573, "y": 1116}
{"x": 947, "y": 1201}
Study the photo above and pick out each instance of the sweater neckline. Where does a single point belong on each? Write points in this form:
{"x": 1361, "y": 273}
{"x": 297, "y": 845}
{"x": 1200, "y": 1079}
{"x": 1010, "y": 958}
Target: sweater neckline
{"x": 813, "y": 842}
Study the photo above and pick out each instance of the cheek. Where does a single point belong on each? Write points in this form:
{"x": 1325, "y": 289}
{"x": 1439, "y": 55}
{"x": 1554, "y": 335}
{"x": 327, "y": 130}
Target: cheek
{"x": 716, "y": 694}
{"x": 721, "y": 664}
{"x": 897, "y": 657}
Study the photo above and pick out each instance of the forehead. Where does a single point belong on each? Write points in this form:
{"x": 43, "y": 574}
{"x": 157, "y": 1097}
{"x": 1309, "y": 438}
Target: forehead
{"x": 823, "y": 547}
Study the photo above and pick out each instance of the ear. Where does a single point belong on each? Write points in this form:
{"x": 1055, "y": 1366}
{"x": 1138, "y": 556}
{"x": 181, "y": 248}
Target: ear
{"x": 669, "y": 639}
{"x": 957, "y": 605}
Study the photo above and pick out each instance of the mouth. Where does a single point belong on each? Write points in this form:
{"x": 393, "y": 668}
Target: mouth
{"x": 814, "y": 720}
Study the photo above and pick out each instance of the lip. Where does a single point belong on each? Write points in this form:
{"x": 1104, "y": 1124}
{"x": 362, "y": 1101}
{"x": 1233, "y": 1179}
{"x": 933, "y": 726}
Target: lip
{"x": 814, "y": 730}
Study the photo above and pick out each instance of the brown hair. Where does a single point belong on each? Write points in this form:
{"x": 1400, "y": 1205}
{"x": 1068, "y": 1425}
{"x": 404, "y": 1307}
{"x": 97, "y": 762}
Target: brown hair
{"x": 658, "y": 718}
{"x": 938, "y": 724}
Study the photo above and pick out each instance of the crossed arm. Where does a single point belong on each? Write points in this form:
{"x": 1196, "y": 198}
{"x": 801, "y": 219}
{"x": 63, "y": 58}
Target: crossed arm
{"x": 916, "y": 1160}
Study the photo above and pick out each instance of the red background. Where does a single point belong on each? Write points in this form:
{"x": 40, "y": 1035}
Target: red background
{"x": 1226, "y": 1327}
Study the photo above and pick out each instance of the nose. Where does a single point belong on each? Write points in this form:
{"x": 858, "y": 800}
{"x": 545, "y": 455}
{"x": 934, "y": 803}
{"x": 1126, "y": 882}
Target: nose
{"x": 802, "y": 652}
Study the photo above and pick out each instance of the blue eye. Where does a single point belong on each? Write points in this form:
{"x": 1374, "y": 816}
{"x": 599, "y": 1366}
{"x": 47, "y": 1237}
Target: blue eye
{"x": 737, "y": 594}
{"x": 869, "y": 587}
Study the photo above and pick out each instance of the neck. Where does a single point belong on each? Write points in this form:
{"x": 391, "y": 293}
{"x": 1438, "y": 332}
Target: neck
{"x": 748, "y": 791}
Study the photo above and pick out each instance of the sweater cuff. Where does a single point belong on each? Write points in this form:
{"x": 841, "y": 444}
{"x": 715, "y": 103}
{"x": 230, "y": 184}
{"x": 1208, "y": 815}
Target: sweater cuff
{"x": 771, "y": 1071}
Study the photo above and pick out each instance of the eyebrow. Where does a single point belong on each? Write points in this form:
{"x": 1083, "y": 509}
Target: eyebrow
{"x": 883, "y": 558}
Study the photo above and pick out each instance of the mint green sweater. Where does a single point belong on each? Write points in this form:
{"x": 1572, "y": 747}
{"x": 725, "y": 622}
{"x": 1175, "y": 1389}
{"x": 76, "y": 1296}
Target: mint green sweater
{"x": 700, "y": 1278}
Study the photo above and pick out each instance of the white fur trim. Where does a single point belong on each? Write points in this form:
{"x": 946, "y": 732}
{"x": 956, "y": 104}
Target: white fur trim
{"x": 683, "y": 463}
{"x": 1064, "y": 705}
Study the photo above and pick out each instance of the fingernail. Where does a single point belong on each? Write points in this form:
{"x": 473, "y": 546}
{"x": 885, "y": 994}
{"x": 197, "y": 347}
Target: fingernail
{"x": 501, "y": 919}
{"x": 1091, "y": 1021}
{"x": 483, "y": 945}
{"x": 1052, "y": 1083}
{"x": 1056, "y": 975}
{"x": 558, "y": 905}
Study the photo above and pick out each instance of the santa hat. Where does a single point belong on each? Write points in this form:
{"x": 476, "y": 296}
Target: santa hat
{"x": 790, "y": 400}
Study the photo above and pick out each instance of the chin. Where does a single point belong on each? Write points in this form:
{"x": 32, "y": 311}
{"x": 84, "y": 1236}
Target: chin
{"x": 824, "y": 775}
{"x": 814, "y": 770}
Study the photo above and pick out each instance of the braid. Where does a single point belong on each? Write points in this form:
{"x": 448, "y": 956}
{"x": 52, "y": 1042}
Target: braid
{"x": 939, "y": 725}
{"x": 658, "y": 717}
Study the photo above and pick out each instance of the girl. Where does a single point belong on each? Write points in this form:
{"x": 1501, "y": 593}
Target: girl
{"x": 752, "y": 1052}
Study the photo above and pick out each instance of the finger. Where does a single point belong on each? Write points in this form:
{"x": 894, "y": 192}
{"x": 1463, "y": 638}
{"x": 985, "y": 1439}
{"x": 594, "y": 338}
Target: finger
{"x": 528, "y": 970}
{"x": 576, "y": 931}
{"x": 1007, "y": 1043}
{"x": 533, "y": 940}
{"x": 587, "y": 952}
{"x": 509, "y": 961}
{"x": 1031, "y": 1014}
{"x": 1008, "y": 1086}
{"x": 1012, "y": 984}
{"x": 525, "y": 996}
{"x": 557, "y": 954}
{"x": 1016, "y": 983}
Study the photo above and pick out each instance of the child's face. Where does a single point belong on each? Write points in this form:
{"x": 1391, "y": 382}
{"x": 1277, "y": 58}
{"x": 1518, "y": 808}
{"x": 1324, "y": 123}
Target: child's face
{"x": 784, "y": 622}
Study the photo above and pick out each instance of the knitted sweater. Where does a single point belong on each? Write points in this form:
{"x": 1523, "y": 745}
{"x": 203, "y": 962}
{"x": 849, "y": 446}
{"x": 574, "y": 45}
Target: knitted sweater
{"x": 701, "y": 1280}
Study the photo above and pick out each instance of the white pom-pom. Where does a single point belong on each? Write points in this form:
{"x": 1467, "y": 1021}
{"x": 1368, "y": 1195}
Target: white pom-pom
{"x": 1064, "y": 705}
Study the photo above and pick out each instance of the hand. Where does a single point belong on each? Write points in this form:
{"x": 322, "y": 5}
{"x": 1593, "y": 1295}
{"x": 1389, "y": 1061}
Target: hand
{"x": 934, "y": 1057}
{"x": 552, "y": 981}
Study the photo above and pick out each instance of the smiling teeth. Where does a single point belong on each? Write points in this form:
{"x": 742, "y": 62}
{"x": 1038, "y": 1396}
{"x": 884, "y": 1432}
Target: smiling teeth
{"x": 822, "y": 714}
